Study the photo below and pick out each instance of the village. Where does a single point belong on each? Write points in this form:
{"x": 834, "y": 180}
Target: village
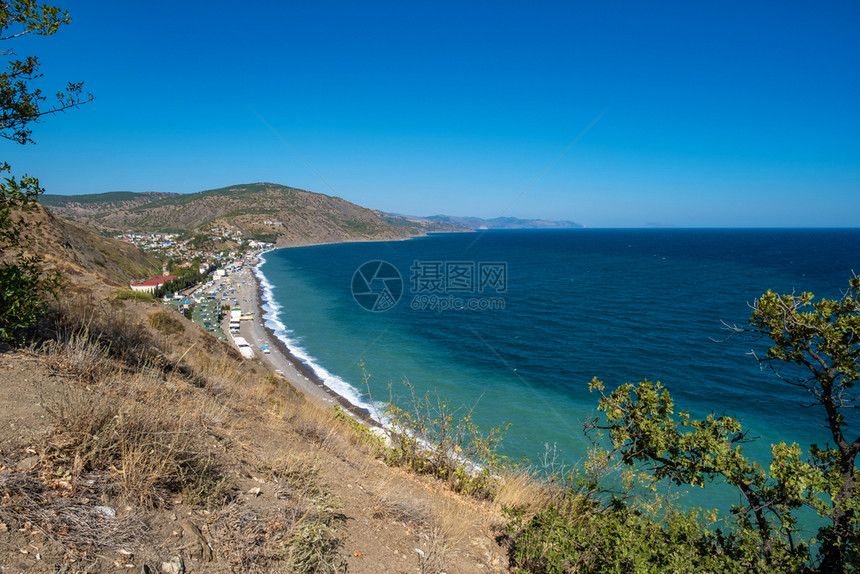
{"x": 202, "y": 284}
{"x": 184, "y": 250}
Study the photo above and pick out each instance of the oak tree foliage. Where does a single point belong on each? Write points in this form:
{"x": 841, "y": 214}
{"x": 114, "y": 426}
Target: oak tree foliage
{"x": 814, "y": 345}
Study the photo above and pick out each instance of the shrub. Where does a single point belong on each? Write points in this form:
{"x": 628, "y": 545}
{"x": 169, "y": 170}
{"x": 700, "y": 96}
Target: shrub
{"x": 437, "y": 439}
{"x": 166, "y": 322}
{"x": 24, "y": 290}
{"x": 131, "y": 294}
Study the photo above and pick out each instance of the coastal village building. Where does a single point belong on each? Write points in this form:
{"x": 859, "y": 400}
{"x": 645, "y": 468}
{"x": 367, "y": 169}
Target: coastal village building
{"x": 150, "y": 285}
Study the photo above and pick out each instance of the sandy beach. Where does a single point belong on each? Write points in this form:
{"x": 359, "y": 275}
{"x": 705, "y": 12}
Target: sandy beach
{"x": 279, "y": 358}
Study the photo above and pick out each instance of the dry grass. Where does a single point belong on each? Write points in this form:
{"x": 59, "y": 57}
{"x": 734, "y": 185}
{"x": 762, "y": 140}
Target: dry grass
{"x": 146, "y": 427}
{"x": 316, "y": 425}
{"x": 452, "y": 523}
{"x": 77, "y": 529}
{"x": 246, "y": 542}
{"x": 139, "y": 427}
{"x": 83, "y": 438}
{"x": 313, "y": 542}
{"x": 446, "y": 522}
{"x": 149, "y": 420}
{"x": 520, "y": 489}
{"x": 392, "y": 501}
{"x": 76, "y": 354}
{"x": 221, "y": 373}
{"x": 118, "y": 331}
{"x": 216, "y": 414}
{"x": 297, "y": 476}
{"x": 452, "y": 520}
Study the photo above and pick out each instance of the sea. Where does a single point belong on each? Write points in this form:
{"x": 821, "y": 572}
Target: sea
{"x": 512, "y": 325}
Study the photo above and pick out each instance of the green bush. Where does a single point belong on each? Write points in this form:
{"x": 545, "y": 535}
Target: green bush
{"x": 131, "y": 294}
{"x": 435, "y": 438}
{"x": 24, "y": 292}
{"x": 165, "y": 322}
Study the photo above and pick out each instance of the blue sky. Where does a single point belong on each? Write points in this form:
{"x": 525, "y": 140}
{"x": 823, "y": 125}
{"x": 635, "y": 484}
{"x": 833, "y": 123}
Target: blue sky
{"x": 606, "y": 113}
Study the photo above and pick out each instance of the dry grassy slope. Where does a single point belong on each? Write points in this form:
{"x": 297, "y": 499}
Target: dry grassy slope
{"x": 91, "y": 204}
{"x": 307, "y": 217}
{"x": 124, "y": 445}
{"x": 78, "y": 252}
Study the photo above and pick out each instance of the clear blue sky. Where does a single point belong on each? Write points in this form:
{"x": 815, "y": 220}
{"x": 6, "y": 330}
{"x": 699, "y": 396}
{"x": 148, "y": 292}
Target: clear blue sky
{"x": 679, "y": 113}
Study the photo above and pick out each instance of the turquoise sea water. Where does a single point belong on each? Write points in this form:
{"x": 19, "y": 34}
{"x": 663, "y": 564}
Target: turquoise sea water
{"x": 621, "y": 305}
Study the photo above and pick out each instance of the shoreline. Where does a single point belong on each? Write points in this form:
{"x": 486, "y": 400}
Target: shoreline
{"x": 296, "y": 372}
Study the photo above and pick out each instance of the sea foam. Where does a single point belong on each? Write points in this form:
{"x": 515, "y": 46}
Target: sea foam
{"x": 272, "y": 319}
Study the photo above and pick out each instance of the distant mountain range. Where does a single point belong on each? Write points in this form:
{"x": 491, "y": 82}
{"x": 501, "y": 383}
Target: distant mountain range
{"x": 502, "y": 222}
{"x": 266, "y": 211}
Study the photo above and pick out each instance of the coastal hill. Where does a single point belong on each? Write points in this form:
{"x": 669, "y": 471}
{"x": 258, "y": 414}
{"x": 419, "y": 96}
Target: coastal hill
{"x": 270, "y": 212}
{"x": 266, "y": 211}
{"x": 83, "y": 256}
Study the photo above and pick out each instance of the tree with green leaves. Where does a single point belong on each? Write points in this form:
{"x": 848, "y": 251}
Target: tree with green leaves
{"x": 821, "y": 341}
{"x": 814, "y": 345}
{"x": 23, "y": 283}
{"x": 21, "y": 102}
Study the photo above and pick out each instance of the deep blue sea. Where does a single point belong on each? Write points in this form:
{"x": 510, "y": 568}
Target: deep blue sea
{"x": 518, "y": 322}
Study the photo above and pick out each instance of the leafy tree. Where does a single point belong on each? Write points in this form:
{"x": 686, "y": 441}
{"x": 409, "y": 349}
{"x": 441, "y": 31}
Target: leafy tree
{"x": 184, "y": 281}
{"x": 20, "y": 102}
{"x": 821, "y": 342}
{"x": 814, "y": 345}
{"x": 23, "y": 284}
{"x": 646, "y": 432}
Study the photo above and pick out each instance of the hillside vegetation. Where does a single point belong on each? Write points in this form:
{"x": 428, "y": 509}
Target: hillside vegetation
{"x": 286, "y": 215}
{"x": 78, "y": 253}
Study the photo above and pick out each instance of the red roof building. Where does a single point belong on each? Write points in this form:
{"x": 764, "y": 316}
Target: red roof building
{"x": 150, "y": 285}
